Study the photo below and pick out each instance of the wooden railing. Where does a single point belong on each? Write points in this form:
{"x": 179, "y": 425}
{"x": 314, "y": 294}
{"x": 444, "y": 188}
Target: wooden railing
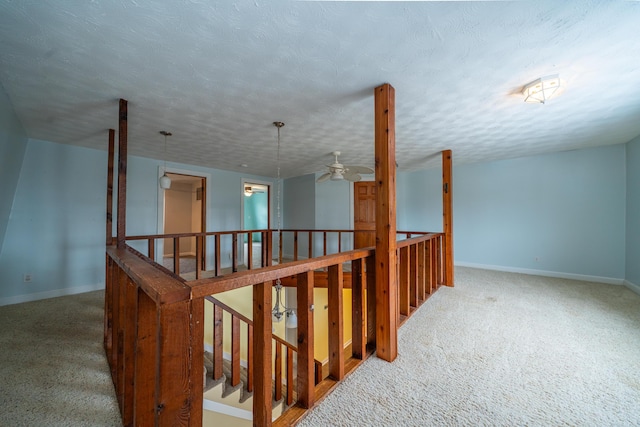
{"x": 238, "y": 321}
{"x": 211, "y": 247}
{"x": 154, "y": 327}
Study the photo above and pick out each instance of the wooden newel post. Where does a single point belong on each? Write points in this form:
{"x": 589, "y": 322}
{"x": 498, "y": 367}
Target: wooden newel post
{"x": 447, "y": 215}
{"x": 386, "y": 278}
{"x": 262, "y": 399}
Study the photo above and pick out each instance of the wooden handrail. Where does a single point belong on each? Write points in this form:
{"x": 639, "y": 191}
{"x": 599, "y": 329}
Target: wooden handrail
{"x": 203, "y": 287}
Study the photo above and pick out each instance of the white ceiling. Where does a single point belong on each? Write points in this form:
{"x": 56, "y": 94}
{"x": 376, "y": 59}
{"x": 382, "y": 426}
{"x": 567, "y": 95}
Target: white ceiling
{"x": 217, "y": 74}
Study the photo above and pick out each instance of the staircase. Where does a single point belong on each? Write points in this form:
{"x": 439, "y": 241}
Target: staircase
{"x": 226, "y": 405}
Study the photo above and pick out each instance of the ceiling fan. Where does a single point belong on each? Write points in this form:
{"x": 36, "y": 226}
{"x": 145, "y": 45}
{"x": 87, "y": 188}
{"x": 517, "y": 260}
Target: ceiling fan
{"x": 338, "y": 171}
{"x": 249, "y": 190}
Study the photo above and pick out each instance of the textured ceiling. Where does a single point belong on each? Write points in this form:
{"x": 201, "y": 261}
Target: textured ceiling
{"x": 217, "y": 74}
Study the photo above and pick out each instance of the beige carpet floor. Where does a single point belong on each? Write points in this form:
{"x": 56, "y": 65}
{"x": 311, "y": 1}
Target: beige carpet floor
{"x": 499, "y": 349}
{"x": 503, "y": 349}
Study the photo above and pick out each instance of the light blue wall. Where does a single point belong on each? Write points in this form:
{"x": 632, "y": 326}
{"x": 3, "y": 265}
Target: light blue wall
{"x": 13, "y": 143}
{"x": 633, "y": 213}
{"x": 299, "y": 210}
{"x": 334, "y": 210}
{"x": 567, "y": 210}
{"x": 56, "y": 230}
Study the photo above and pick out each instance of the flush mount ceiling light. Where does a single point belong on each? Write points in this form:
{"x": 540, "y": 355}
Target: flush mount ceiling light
{"x": 539, "y": 91}
{"x": 165, "y": 181}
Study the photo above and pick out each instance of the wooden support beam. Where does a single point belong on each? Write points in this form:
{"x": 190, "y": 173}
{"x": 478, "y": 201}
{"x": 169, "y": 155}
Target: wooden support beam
{"x": 447, "y": 214}
{"x": 122, "y": 174}
{"x": 235, "y": 351}
{"x": 385, "y": 174}
{"x": 218, "y": 336}
{"x": 262, "y": 399}
{"x": 110, "y": 162}
{"x": 336, "y": 328}
{"x": 306, "y": 366}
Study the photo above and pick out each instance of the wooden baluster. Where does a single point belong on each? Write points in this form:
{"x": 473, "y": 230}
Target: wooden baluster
{"x": 199, "y": 241}
{"x": 249, "y": 357}
{"x": 358, "y": 309}
{"x": 310, "y": 250}
{"x": 440, "y": 261}
{"x": 421, "y": 270}
{"x": 278, "y": 374}
{"x": 370, "y": 264}
{"x": 404, "y": 281}
{"x": 262, "y": 406}
{"x": 218, "y": 332}
{"x": 339, "y": 241}
{"x": 295, "y": 245}
{"x": 249, "y": 250}
{"x": 235, "y": 351}
{"x": 324, "y": 242}
{"x": 413, "y": 275}
{"x": 234, "y": 252}
{"x": 151, "y": 249}
{"x": 306, "y": 382}
{"x": 280, "y": 247}
{"x": 216, "y": 264}
{"x": 176, "y": 255}
{"x": 336, "y": 329}
{"x": 289, "y": 376}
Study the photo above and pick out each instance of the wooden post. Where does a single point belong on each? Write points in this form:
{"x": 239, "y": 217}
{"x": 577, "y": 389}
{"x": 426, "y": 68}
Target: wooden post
{"x": 336, "y": 328}
{"x": 262, "y": 399}
{"x": 385, "y": 173}
{"x": 112, "y": 133}
{"x": 306, "y": 388}
{"x": 447, "y": 214}
{"x": 122, "y": 174}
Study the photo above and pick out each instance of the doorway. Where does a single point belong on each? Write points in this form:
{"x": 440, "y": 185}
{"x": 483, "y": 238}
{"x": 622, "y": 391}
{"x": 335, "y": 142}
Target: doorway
{"x": 256, "y": 215}
{"x": 184, "y": 212}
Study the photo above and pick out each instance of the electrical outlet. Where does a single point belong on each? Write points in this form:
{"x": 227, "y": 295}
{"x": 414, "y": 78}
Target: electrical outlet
{"x": 28, "y": 277}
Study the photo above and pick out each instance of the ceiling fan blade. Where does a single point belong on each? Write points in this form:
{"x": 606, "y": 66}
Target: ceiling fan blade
{"x": 324, "y": 177}
{"x": 351, "y": 176}
{"x": 360, "y": 169}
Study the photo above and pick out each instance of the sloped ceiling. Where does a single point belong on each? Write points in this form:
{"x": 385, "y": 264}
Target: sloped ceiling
{"x": 217, "y": 74}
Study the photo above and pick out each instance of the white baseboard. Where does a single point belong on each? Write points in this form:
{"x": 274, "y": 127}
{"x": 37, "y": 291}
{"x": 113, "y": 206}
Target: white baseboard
{"x": 635, "y": 288}
{"x": 50, "y": 294}
{"x": 558, "y": 274}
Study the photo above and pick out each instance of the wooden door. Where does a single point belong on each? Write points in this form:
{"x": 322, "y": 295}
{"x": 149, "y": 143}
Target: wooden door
{"x": 364, "y": 201}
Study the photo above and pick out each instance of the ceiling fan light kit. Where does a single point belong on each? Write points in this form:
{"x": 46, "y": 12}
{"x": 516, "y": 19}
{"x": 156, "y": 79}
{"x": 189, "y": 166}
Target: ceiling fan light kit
{"x": 339, "y": 172}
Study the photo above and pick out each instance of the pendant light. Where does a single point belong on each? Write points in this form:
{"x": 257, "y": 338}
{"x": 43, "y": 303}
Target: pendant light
{"x": 280, "y": 310}
{"x": 165, "y": 181}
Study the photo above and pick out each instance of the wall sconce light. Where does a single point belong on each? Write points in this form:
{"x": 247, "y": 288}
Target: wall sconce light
{"x": 540, "y": 90}
{"x": 165, "y": 181}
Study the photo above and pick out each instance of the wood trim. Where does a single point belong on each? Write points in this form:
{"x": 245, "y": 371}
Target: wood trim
{"x": 385, "y": 176}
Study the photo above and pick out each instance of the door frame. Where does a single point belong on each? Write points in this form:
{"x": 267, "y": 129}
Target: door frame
{"x": 269, "y": 186}
{"x": 206, "y": 207}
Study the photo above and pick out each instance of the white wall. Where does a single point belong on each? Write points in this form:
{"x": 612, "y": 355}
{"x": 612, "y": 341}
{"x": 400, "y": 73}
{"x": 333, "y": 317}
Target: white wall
{"x": 56, "y": 230}
{"x": 561, "y": 213}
